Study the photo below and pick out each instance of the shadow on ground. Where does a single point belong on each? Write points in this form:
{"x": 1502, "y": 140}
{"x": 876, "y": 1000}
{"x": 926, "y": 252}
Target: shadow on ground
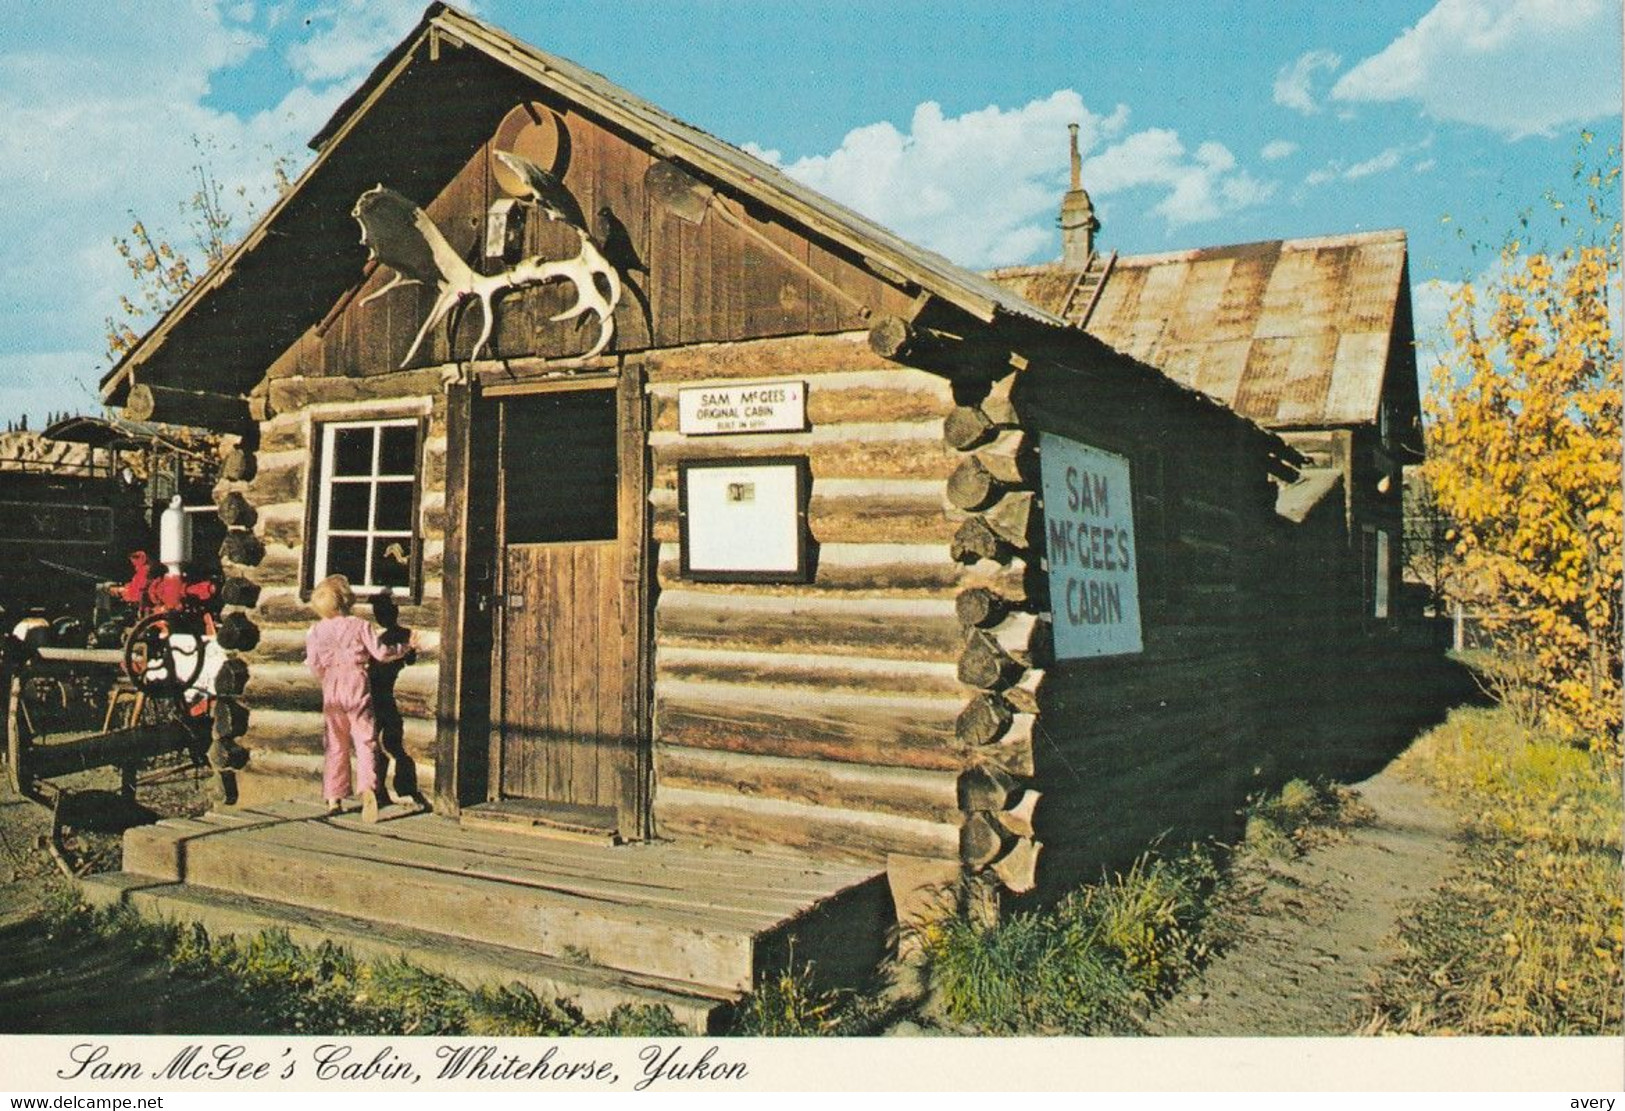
{"x": 54, "y": 983}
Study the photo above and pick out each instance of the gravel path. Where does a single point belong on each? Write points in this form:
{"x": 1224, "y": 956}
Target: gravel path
{"x": 1319, "y": 927}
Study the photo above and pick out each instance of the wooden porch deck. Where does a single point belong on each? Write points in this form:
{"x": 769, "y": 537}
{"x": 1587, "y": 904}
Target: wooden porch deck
{"x": 690, "y": 926}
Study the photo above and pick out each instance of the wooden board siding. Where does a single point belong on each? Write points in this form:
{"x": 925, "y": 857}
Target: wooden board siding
{"x": 563, "y": 701}
{"x": 848, "y": 511}
{"x": 685, "y": 284}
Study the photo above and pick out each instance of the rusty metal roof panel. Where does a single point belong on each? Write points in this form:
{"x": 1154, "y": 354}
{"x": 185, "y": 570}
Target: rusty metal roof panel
{"x": 1351, "y": 397}
{"x": 1269, "y": 361}
{"x": 1224, "y": 367}
{"x": 1237, "y": 314}
{"x": 1160, "y": 298}
{"x": 1373, "y": 286}
{"x": 1314, "y": 317}
{"x": 1118, "y": 302}
{"x": 1286, "y": 300}
{"x": 1183, "y": 363}
{"x": 1044, "y": 286}
{"x": 1327, "y": 303}
{"x": 1190, "y": 320}
{"x": 1302, "y": 398}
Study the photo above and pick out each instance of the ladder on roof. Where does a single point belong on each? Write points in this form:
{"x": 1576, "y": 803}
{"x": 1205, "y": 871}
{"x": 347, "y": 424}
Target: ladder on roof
{"x": 1086, "y": 290}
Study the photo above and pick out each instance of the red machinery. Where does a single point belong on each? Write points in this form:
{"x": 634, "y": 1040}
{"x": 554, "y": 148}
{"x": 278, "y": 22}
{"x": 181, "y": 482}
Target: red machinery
{"x": 72, "y": 709}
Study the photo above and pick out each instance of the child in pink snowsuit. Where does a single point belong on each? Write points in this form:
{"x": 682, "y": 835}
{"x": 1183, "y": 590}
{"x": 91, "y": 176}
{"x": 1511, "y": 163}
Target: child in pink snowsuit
{"x": 338, "y": 650}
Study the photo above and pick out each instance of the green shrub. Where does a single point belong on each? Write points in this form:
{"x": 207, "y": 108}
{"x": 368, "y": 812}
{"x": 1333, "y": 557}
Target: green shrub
{"x": 788, "y": 1005}
{"x": 648, "y": 1021}
{"x": 1031, "y": 973}
{"x": 1288, "y": 823}
{"x": 1151, "y": 916}
{"x": 1087, "y": 966}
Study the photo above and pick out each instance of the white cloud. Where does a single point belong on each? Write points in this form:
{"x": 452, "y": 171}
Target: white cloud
{"x": 1380, "y": 163}
{"x": 351, "y": 37}
{"x": 1430, "y": 312}
{"x": 1377, "y": 164}
{"x": 982, "y": 188}
{"x": 1519, "y": 67}
{"x": 1278, "y": 149}
{"x": 1199, "y": 187}
{"x": 1293, "y": 82}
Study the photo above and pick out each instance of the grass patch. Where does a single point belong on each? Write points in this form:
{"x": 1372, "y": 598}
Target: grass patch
{"x": 1090, "y": 965}
{"x": 296, "y": 989}
{"x": 1299, "y": 817}
{"x": 1527, "y": 937}
{"x": 788, "y": 1005}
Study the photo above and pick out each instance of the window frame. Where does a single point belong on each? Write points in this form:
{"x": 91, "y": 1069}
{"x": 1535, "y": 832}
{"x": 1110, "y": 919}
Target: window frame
{"x": 1377, "y": 573}
{"x": 318, "y": 503}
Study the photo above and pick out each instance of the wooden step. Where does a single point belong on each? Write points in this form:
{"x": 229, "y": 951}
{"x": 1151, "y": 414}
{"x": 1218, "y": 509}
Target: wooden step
{"x": 592, "y": 824}
{"x": 593, "y": 990}
{"x": 620, "y": 908}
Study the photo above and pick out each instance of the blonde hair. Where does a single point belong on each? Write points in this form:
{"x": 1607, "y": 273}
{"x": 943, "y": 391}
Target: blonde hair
{"x": 332, "y": 596}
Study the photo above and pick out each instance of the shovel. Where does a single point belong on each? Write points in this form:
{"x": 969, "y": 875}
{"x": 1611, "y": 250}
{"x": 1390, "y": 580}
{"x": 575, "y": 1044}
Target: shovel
{"x": 688, "y": 198}
{"x": 682, "y": 194}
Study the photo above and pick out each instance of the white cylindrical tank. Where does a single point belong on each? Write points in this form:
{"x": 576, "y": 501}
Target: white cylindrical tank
{"x": 175, "y": 537}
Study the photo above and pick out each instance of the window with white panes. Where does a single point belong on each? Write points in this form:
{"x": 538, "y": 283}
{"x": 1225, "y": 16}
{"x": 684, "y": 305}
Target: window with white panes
{"x": 366, "y": 503}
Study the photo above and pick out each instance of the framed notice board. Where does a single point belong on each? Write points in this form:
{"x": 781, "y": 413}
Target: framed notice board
{"x": 744, "y": 520}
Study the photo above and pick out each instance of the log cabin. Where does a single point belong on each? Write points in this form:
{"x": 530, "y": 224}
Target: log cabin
{"x": 1312, "y": 339}
{"x": 778, "y": 581}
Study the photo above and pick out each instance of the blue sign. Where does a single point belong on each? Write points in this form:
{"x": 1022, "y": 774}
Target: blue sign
{"x": 1094, "y": 568}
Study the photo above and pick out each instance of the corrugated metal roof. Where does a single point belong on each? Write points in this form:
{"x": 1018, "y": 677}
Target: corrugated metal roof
{"x": 1291, "y": 333}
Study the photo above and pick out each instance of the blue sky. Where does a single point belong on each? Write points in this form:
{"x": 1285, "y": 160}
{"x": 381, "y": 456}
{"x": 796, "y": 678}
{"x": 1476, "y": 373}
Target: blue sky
{"x": 1203, "y": 123}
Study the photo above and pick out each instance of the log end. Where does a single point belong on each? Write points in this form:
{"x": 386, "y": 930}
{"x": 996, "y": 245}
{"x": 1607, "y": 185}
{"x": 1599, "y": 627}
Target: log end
{"x": 890, "y": 337}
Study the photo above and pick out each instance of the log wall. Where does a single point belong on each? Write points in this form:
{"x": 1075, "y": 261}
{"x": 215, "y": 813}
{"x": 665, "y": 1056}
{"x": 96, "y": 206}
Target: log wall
{"x": 821, "y": 716}
{"x": 904, "y": 705}
{"x": 283, "y": 700}
{"x": 1157, "y": 747}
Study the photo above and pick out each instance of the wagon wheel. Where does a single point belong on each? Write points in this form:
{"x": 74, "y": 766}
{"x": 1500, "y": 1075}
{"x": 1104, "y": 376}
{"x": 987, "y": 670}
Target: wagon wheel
{"x": 163, "y": 655}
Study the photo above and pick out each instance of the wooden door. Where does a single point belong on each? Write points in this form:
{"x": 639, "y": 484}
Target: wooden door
{"x": 568, "y": 698}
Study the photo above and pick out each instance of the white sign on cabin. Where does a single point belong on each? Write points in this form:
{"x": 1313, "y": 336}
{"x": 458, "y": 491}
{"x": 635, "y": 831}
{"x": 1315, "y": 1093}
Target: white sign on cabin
{"x": 779, "y": 406}
{"x": 1094, "y": 570}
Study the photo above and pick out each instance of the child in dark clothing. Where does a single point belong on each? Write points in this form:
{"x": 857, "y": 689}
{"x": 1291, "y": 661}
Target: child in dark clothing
{"x": 391, "y": 728}
{"x": 338, "y": 650}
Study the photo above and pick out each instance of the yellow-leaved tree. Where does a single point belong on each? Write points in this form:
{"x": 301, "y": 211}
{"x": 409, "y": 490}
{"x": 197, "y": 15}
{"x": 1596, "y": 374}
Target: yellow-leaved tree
{"x": 162, "y": 271}
{"x": 1524, "y": 457}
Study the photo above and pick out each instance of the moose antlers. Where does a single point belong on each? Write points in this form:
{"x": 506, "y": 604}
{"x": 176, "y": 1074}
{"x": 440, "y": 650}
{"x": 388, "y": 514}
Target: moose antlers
{"x": 403, "y": 238}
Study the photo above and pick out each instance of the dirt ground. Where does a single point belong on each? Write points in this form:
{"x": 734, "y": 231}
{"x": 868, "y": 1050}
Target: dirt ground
{"x": 1314, "y": 931}
{"x": 56, "y": 985}
{"x": 1310, "y": 932}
